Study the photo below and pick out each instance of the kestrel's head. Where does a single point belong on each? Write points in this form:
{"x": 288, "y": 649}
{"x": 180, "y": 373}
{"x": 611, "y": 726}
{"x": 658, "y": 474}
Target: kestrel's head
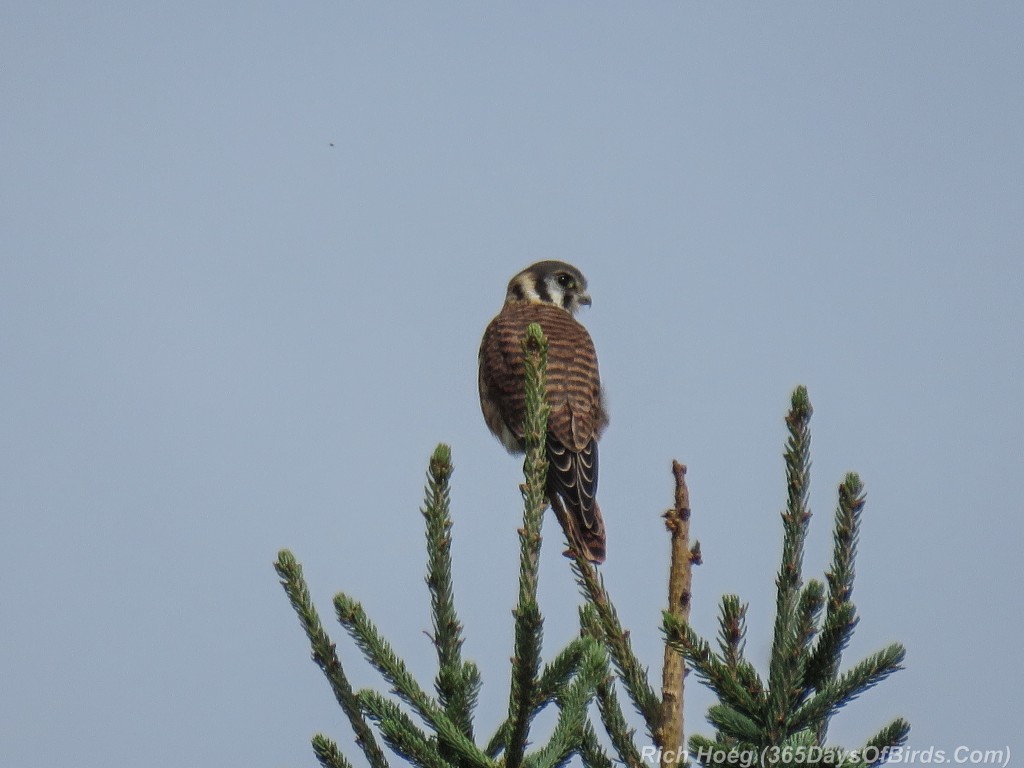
{"x": 550, "y": 282}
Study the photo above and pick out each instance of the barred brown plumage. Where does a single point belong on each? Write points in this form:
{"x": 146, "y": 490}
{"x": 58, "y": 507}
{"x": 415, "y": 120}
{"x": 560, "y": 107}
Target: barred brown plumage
{"x": 548, "y": 293}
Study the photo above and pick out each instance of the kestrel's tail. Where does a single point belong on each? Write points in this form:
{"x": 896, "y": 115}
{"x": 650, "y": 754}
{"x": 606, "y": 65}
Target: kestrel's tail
{"x": 585, "y": 533}
{"x": 572, "y": 491}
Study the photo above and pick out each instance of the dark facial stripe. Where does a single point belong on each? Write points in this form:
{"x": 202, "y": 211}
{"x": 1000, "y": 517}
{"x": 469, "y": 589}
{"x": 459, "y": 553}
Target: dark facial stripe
{"x": 517, "y": 292}
{"x": 543, "y": 293}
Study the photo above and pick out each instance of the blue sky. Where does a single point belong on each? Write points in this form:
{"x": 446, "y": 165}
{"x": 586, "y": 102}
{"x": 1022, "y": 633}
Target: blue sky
{"x": 248, "y": 253}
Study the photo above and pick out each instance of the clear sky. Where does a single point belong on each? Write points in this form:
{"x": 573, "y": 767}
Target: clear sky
{"x": 248, "y": 250}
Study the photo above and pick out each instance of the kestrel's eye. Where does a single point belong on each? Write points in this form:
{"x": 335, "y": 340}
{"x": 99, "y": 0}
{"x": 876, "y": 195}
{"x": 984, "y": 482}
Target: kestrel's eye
{"x": 566, "y": 281}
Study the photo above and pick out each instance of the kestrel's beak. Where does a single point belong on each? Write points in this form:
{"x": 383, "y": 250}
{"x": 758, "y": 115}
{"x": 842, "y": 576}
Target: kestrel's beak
{"x": 583, "y": 300}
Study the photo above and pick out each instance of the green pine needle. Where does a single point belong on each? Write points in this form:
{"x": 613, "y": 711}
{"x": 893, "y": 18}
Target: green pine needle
{"x": 379, "y": 653}
{"x": 632, "y": 673}
{"x": 732, "y": 621}
{"x": 592, "y": 753}
{"x": 612, "y": 717}
{"x": 784, "y": 677}
{"x": 400, "y": 733}
{"x": 328, "y": 754}
{"x": 732, "y": 724}
{"x": 325, "y": 655}
{"x": 568, "y": 735}
{"x": 712, "y": 669}
{"x": 847, "y": 687}
{"x": 841, "y": 614}
{"x": 529, "y": 624}
{"x": 893, "y": 735}
{"x": 454, "y": 690}
{"x": 732, "y": 635}
{"x": 551, "y": 685}
{"x": 614, "y": 721}
{"x": 700, "y": 747}
{"x": 812, "y": 601}
{"x": 559, "y": 671}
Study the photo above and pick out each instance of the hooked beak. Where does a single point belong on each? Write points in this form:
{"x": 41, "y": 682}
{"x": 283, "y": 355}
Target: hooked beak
{"x": 584, "y": 300}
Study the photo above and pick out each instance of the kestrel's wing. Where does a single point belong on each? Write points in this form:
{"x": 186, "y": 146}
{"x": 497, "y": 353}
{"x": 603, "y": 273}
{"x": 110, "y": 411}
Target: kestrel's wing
{"x": 502, "y": 395}
{"x": 573, "y": 380}
{"x": 574, "y": 425}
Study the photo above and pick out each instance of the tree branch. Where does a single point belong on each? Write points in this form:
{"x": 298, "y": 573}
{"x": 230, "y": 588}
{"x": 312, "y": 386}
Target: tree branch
{"x": 669, "y": 735}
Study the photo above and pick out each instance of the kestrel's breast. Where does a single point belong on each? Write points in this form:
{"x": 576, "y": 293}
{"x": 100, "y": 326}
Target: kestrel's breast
{"x": 573, "y": 382}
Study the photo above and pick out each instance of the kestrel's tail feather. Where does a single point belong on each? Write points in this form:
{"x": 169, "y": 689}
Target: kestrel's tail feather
{"x": 589, "y": 541}
{"x": 572, "y": 481}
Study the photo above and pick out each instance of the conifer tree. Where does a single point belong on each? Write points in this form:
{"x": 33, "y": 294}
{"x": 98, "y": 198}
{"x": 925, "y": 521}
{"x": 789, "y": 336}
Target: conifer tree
{"x": 439, "y": 729}
{"x": 784, "y": 719}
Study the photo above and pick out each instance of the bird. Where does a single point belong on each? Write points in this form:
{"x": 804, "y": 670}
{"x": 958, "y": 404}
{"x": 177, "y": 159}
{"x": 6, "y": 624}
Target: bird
{"x": 550, "y": 293}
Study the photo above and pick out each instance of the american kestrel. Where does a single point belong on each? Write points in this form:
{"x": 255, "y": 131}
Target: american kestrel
{"x": 549, "y": 293}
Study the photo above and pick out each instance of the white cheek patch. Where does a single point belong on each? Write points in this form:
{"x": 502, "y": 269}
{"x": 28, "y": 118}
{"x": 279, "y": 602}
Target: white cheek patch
{"x": 526, "y": 289}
